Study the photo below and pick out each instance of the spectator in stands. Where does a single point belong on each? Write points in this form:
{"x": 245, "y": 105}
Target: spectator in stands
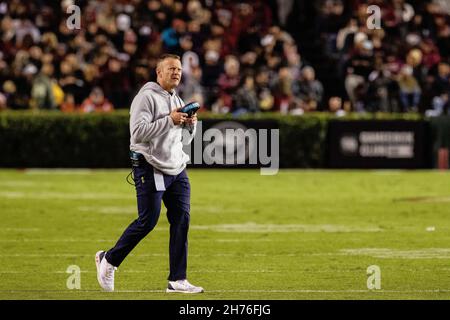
{"x": 442, "y": 84}
{"x": 335, "y": 106}
{"x": 42, "y": 95}
{"x": 191, "y": 89}
{"x": 26, "y": 34}
{"x": 229, "y": 80}
{"x": 9, "y": 91}
{"x": 342, "y": 38}
{"x": 443, "y": 33}
{"x": 359, "y": 66}
{"x": 210, "y": 73}
{"x": 3, "y": 105}
{"x": 310, "y": 90}
{"x": 22, "y": 86}
{"x": 68, "y": 105}
{"x": 246, "y": 99}
{"x": 440, "y": 105}
{"x": 141, "y": 75}
{"x": 294, "y": 61}
{"x": 115, "y": 83}
{"x": 248, "y": 62}
{"x": 414, "y": 59}
{"x": 189, "y": 59}
{"x": 379, "y": 95}
{"x": 409, "y": 89}
{"x": 282, "y": 88}
{"x": 96, "y": 102}
{"x": 71, "y": 79}
{"x": 91, "y": 76}
{"x": 440, "y": 89}
{"x": 171, "y": 36}
{"x": 263, "y": 89}
{"x": 431, "y": 56}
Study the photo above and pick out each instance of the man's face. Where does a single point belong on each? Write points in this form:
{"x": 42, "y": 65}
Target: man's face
{"x": 169, "y": 73}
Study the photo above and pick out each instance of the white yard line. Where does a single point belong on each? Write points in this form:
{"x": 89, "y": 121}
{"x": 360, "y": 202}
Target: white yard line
{"x": 141, "y": 271}
{"x": 20, "y": 229}
{"x": 46, "y": 195}
{"x": 54, "y": 240}
{"x": 126, "y": 210}
{"x": 315, "y": 271}
{"x": 238, "y": 291}
{"x": 387, "y": 253}
{"x": 331, "y": 291}
{"x": 74, "y": 255}
{"x": 283, "y": 228}
{"x": 382, "y": 253}
{"x": 59, "y": 171}
{"x": 21, "y": 184}
{"x": 113, "y": 240}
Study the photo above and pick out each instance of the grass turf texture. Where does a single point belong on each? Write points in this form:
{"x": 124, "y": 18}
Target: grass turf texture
{"x": 296, "y": 235}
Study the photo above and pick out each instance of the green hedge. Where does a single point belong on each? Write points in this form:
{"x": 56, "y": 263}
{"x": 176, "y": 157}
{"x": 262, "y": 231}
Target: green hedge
{"x": 62, "y": 140}
{"x": 53, "y": 139}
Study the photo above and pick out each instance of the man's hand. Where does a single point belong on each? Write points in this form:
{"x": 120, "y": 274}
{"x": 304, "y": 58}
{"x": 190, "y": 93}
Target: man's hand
{"x": 178, "y": 117}
{"x": 192, "y": 120}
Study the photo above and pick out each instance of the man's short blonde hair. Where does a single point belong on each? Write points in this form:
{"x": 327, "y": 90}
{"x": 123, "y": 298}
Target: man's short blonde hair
{"x": 167, "y": 56}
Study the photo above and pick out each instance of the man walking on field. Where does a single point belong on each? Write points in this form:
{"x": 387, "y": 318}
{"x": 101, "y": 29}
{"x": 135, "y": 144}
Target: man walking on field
{"x": 159, "y": 167}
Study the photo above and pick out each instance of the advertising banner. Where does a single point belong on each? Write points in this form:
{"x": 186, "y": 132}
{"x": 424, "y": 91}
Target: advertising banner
{"x": 378, "y": 144}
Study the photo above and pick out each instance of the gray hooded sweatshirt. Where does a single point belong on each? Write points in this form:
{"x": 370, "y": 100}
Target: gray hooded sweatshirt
{"x": 153, "y": 132}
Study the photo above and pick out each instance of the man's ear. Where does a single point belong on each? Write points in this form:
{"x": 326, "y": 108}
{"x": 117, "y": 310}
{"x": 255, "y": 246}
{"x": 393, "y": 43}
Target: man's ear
{"x": 159, "y": 68}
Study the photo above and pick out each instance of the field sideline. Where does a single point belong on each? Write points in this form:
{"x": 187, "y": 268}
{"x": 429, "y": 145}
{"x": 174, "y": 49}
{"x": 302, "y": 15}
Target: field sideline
{"x": 301, "y": 234}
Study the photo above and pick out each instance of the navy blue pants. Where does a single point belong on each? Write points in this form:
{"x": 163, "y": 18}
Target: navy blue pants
{"x": 150, "y": 191}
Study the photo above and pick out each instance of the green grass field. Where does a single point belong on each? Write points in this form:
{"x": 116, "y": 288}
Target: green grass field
{"x": 296, "y": 235}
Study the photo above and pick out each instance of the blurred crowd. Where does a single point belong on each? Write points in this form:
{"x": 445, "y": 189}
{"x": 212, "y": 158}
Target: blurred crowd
{"x": 402, "y": 66}
{"x": 289, "y": 56}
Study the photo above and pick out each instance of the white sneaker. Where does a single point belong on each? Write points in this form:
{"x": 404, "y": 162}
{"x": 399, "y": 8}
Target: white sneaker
{"x": 183, "y": 286}
{"x": 105, "y": 271}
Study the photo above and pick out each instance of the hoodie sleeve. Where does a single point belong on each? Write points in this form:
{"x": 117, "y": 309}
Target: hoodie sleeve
{"x": 143, "y": 127}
